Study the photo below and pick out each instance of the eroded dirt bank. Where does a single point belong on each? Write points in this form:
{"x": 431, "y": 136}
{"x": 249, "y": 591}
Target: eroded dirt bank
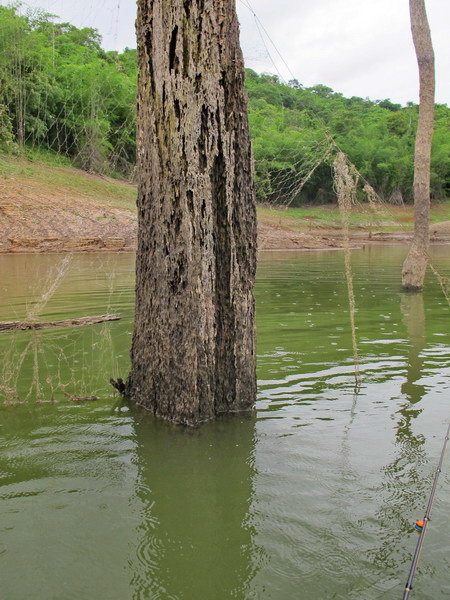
{"x": 55, "y": 209}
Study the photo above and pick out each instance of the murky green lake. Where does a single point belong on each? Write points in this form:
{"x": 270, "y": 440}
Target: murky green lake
{"x": 313, "y": 497}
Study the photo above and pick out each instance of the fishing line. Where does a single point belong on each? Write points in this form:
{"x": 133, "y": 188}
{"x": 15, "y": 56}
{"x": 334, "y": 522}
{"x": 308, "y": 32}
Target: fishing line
{"x": 422, "y": 525}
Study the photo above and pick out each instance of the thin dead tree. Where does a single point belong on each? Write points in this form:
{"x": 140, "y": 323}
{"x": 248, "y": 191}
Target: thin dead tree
{"x": 193, "y": 351}
{"x": 415, "y": 265}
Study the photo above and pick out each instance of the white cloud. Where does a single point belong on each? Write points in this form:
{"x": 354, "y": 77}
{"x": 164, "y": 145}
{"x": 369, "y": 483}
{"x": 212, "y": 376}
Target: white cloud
{"x": 358, "y": 47}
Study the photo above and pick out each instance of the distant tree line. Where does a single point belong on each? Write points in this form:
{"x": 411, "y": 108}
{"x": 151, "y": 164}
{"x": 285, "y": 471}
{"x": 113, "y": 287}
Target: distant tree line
{"x": 60, "y": 91}
{"x": 290, "y": 122}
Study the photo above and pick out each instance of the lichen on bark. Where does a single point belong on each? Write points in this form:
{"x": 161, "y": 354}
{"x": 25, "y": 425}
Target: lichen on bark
{"x": 193, "y": 350}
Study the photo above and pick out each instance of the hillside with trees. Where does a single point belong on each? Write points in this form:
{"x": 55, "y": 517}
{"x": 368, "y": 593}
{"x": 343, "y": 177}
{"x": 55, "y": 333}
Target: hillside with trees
{"x": 61, "y": 94}
{"x": 60, "y": 91}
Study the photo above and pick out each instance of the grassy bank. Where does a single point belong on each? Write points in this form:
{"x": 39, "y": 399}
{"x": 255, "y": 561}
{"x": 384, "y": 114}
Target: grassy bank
{"x": 66, "y": 180}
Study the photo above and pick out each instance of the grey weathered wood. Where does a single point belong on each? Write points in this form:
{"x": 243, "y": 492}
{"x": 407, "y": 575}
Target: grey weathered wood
{"x": 415, "y": 265}
{"x": 193, "y": 352}
{"x": 8, "y": 326}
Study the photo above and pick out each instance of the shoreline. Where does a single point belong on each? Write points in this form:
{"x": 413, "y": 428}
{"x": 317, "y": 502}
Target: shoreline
{"x": 120, "y": 246}
{"x": 47, "y": 210}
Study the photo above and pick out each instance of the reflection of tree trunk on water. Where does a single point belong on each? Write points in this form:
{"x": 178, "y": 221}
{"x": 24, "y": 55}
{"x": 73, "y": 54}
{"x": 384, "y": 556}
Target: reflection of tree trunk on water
{"x": 405, "y": 486}
{"x": 413, "y": 311}
{"x": 196, "y": 489}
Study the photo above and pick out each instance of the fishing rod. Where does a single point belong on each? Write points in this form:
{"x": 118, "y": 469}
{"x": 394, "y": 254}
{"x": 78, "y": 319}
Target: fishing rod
{"x": 422, "y": 525}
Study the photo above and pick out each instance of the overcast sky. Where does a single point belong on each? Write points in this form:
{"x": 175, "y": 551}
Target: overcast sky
{"x": 357, "y": 47}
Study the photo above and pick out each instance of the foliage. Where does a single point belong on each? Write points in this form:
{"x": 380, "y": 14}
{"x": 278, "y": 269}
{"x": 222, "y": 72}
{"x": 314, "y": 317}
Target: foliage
{"x": 61, "y": 92}
{"x": 6, "y": 131}
{"x": 288, "y": 123}
{"x": 64, "y": 93}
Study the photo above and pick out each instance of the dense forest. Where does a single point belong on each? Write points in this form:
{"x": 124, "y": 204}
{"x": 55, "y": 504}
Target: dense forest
{"x": 61, "y": 93}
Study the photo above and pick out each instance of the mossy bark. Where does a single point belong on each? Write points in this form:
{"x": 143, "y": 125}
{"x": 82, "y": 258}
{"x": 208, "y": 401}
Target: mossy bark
{"x": 415, "y": 265}
{"x": 193, "y": 351}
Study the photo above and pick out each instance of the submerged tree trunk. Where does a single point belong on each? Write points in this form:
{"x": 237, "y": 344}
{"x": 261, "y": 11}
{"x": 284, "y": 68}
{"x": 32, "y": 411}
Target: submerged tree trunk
{"x": 193, "y": 352}
{"x": 416, "y": 262}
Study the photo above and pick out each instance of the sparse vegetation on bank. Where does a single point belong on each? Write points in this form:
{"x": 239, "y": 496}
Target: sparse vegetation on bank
{"x": 48, "y": 208}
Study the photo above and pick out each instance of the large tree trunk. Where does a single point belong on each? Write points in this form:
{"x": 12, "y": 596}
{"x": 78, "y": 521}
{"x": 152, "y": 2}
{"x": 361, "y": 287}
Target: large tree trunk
{"x": 416, "y": 262}
{"x": 193, "y": 352}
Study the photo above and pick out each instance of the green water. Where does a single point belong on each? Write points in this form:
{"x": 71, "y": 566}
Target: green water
{"x": 313, "y": 497}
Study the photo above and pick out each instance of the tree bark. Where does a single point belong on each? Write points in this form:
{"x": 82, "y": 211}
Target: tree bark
{"x": 415, "y": 265}
{"x": 193, "y": 351}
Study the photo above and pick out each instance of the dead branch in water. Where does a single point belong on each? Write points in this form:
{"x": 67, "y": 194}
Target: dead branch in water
{"x": 7, "y": 326}
{"x": 75, "y": 398}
